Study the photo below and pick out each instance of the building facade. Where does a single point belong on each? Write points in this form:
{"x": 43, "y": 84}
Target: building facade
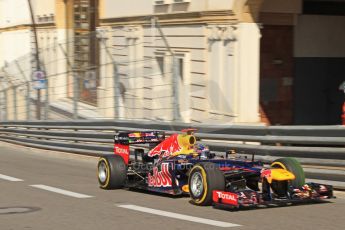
{"x": 216, "y": 53}
{"x": 202, "y": 61}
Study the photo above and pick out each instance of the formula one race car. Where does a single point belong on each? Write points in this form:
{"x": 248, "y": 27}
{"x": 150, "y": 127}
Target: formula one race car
{"x": 178, "y": 165}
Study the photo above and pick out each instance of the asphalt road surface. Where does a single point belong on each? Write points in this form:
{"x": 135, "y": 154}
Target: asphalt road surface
{"x": 49, "y": 190}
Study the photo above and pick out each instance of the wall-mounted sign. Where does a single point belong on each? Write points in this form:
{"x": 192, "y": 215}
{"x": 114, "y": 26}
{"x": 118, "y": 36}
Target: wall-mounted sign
{"x": 90, "y": 80}
{"x": 39, "y": 80}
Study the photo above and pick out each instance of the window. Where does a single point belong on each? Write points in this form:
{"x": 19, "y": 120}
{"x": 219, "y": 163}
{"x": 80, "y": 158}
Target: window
{"x": 85, "y": 44}
{"x": 183, "y": 83}
{"x": 161, "y": 2}
{"x": 181, "y": 68}
{"x": 181, "y": 1}
{"x": 160, "y": 62}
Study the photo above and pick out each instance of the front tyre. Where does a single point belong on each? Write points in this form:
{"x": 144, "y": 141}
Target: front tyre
{"x": 203, "y": 179}
{"x": 112, "y": 172}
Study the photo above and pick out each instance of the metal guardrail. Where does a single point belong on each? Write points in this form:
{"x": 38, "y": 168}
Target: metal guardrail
{"x": 323, "y": 145}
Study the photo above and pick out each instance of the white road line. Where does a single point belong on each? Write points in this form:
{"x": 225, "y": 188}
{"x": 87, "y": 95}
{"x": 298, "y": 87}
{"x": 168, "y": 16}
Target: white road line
{"x": 9, "y": 178}
{"x": 179, "y": 216}
{"x": 60, "y": 191}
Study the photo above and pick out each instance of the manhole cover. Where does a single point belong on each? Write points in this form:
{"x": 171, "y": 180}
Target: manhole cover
{"x": 17, "y": 210}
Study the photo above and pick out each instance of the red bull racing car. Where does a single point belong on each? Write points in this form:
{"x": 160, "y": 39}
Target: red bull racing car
{"x": 178, "y": 165}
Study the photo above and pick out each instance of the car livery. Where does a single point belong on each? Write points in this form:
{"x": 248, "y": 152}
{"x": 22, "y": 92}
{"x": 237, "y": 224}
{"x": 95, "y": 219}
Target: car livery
{"x": 178, "y": 165}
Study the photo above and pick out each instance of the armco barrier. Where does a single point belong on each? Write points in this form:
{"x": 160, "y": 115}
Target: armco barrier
{"x": 313, "y": 144}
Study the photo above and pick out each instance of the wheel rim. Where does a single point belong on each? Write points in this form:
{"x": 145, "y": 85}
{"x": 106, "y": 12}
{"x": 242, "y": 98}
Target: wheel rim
{"x": 197, "y": 184}
{"x": 102, "y": 172}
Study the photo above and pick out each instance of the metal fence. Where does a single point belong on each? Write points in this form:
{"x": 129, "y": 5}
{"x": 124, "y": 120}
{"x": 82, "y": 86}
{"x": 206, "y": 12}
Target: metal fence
{"x": 112, "y": 81}
{"x": 323, "y": 145}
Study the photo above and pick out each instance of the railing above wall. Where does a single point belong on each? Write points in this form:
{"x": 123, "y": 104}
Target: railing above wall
{"x": 313, "y": 144}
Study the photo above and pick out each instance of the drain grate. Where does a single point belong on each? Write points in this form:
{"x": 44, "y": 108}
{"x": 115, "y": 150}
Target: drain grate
{"x": 17, "y": 210}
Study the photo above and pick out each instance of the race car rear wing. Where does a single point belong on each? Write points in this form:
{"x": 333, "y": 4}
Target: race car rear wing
{"x": 123, "y": 140}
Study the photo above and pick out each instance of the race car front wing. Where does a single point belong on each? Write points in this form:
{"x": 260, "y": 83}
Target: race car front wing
{"x": 250, "y": 198}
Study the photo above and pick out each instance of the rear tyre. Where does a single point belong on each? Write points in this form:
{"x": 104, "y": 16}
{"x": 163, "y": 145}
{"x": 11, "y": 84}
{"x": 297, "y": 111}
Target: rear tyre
{"x": 203, "y": 179}
{"x": 112, "y": 172}
{"x": 291, "y": 165}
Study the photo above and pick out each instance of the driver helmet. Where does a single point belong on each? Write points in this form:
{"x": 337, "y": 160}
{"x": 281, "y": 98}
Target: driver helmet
{"x": 202, "y": 150}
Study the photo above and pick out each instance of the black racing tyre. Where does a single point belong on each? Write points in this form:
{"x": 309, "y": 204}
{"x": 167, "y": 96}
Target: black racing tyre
{"x": 203, "y": 179}
{"x": 292, "y": 165}
{"x": 112, "y": 172}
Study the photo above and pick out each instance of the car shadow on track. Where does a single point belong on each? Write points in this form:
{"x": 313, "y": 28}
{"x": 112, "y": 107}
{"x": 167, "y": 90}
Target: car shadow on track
{"x": 136, "y": 190}
{"x": 233, "y": 209}
{"x": 265, "y": 206}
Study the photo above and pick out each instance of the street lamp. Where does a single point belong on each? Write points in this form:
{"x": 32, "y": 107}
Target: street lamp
{"x": 38, "y": 68}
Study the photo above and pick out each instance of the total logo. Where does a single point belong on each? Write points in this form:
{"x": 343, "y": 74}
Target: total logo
{"x": 121, "y": 150}
{"x": 225, "y": 197}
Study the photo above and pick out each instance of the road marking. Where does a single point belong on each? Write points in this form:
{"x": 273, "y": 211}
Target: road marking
{"x": 60, "y": 191}
{"x": 179, "y": 216}
{"x": 9, "y": 178}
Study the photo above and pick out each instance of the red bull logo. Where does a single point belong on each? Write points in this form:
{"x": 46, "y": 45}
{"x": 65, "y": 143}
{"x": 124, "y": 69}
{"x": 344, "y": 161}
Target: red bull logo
{"x": 267, "y": 173}
{"x": 167, "y": 147}
{"x": 160, "y": 178}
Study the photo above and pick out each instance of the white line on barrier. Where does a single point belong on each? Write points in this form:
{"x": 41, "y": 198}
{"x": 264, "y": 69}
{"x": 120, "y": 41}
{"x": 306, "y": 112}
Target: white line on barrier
{"x": 9, "y": 178}
{"x": 60, "y": 191}
{"x": 179, "y": 216}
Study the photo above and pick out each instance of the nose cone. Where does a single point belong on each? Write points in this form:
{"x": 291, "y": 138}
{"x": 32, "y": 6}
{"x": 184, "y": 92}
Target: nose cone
{"x": 282, "y": 174}
{"x": 277, "y": 174}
